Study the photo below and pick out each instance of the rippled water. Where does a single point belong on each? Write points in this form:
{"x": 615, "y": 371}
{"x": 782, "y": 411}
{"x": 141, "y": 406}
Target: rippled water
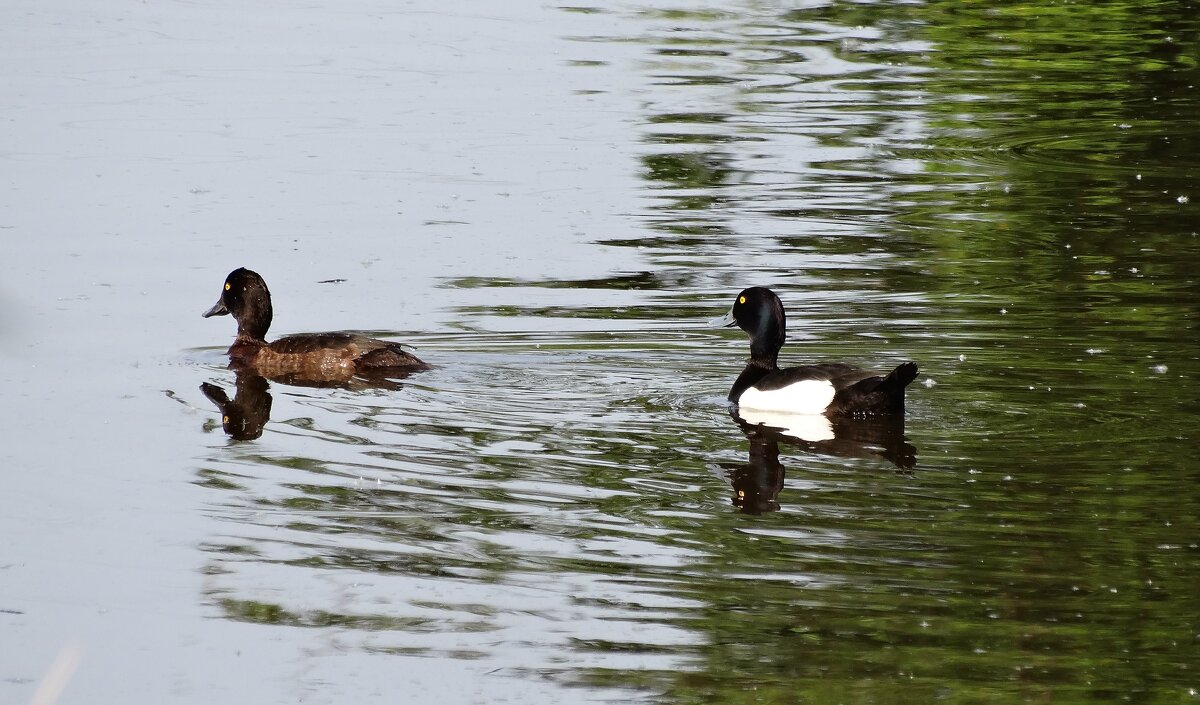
{"x": 564, "y": 509}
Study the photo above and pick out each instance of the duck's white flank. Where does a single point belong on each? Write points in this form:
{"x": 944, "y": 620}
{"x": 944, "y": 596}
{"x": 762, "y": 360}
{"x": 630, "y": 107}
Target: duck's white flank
{"x": 810, "y": 396}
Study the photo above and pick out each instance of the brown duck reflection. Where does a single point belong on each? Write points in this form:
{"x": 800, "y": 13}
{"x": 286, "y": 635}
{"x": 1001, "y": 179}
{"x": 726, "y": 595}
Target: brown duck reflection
{"x": 244, "y": 416}
{"x": 757, "y": 483}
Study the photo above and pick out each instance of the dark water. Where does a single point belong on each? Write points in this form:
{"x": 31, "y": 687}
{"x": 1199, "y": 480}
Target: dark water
{"x": 1000, "y": 192}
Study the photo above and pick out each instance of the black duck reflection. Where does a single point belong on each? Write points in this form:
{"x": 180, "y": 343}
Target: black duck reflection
{"x": 758, "y": 482}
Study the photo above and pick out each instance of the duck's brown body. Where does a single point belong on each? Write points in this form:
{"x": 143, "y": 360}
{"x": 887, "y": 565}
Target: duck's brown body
{"x": 322, "y": 356}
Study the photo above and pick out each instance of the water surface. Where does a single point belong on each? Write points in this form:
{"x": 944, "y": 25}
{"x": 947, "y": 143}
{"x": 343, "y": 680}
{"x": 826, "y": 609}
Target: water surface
{"x": 548, "y": 203}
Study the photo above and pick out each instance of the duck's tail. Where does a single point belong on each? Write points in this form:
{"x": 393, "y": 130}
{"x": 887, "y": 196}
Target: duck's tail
{"x": 891, "y": 388}
{"x": 899, "y": 378}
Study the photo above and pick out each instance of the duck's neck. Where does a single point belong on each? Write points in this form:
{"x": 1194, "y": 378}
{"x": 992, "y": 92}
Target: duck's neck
{"x": 245, "y": 337}
{"x": 248, "y": 341}
{"x": 765, "y": 353}
{"x": 254, "y": 323}
{"x": 755, "y": 370}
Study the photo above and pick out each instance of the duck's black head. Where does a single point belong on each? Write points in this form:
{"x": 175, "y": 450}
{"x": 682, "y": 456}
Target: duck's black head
{"x": 759, "y": 312}
{"x": 247, "y": 299}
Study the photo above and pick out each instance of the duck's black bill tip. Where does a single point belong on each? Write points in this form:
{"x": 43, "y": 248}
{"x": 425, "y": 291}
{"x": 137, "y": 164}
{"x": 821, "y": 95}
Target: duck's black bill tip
{"x": 218, "y": 309}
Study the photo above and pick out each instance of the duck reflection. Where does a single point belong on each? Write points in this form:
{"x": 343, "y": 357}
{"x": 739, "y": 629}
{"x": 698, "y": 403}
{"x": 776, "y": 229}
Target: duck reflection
{"x": 244, "y": 416}
{"x": 757, "y": 483}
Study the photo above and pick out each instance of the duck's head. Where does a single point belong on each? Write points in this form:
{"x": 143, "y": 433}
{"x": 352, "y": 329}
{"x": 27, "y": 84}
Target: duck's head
{"x": 759, "y": 312}
{"x": 245, "y": 297}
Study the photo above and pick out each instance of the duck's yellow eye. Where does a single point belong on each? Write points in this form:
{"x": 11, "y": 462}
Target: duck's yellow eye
{"x": 741, "y": 299}
{"x": 224, "y": 419}
{"x": 227, "y": 286}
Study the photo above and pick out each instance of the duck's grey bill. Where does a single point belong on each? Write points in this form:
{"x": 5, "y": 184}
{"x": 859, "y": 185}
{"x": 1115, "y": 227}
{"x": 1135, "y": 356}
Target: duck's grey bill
{"x": 725, "y": 321}
{"x": 218, "y": 309}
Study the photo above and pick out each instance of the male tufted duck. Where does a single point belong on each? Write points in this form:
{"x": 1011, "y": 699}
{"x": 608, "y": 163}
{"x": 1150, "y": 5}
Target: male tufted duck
{"x": 307, "y": 356}
{"x": 831, "y": 388}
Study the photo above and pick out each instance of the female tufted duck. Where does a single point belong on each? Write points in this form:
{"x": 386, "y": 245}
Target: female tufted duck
{"x": 831, "y": 388}
{"x": 307, "y": 356}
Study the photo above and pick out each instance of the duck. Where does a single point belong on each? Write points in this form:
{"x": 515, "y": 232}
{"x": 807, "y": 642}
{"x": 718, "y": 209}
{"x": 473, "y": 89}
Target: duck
{"x": 306, "y": 357}
{"x": 833, "y": 389}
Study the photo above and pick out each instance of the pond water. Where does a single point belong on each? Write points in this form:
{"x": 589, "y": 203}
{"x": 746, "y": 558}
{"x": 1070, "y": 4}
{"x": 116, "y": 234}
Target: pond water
{"x": 548, "y": 202}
